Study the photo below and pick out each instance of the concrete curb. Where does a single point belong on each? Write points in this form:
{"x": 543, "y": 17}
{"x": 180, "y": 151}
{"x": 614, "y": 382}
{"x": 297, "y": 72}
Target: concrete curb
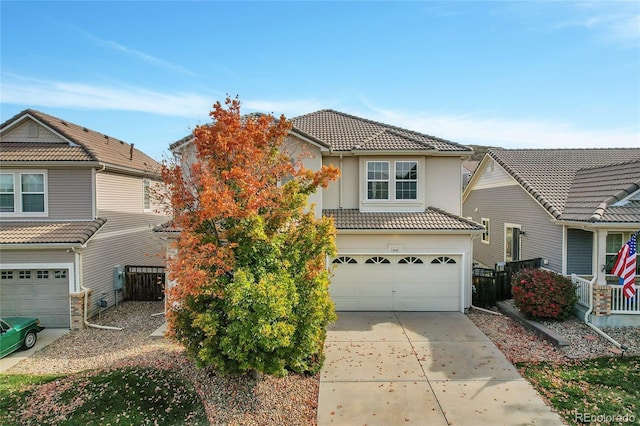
{"x": 534, "y": 326}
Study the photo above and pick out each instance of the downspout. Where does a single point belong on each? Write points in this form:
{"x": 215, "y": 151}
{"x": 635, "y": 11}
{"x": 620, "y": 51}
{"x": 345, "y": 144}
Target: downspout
{"x": 596, "y": 329}
{"x": 86, "y": 295}
{"x": 340, "y": 185}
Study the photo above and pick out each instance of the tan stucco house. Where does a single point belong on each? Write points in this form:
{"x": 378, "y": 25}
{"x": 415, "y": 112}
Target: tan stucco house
{"x": 402, "y": 243}
{"x": 74, "y": 204}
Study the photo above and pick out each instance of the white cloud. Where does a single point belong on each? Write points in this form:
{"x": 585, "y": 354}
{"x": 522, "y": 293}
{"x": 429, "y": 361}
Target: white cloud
{"x": 29, "y": 91}
{"x": 506, "y": 132}
{"x": 138, "y": 54}
{"x": 616, "y": 21}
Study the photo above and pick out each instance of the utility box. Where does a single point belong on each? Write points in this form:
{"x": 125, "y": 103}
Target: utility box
{"x": 118, "y": 277}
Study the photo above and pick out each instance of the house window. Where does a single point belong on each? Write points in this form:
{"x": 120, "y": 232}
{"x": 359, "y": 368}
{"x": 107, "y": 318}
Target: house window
{"x": 486, "y": 233}
{"x": 7, "y": 193}
{"x": 377, "y": 260}
{"x": 24, "y": 192}
{"x": 146, "y": 194}
{"x": 441, "y": 260}
{"x": 406, "y": 180}
{"x": 614, "y": 244}
{"x": 410, "y": 260}
{"x": 6, "y": 275}
{"x": 24, "y": 275}
{"x": 60, "y": 273}
{"x": 42, "y": 274}
{"x": 32, "y": 188}
{"x": 344, "y": 259}
{"x": 377, "y": 180}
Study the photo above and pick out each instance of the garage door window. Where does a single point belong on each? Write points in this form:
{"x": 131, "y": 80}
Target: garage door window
{"x": 6, "y": 275}
{"x": 42, "y": 275}
{"x": 377, "y": 260}
{"x": 442, "y": 260}
{"x": 344, "y": 259}
{"x": 24, "y": 275}
{"x": 410, "y": 260}
{"x": 60, "y": 274}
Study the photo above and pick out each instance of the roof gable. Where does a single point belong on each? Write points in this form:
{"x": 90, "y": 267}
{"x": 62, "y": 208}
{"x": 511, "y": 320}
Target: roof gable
{"x": 344, "y": 132}
{"x": 550, "y": 174}
{"x": 94, "y": 146}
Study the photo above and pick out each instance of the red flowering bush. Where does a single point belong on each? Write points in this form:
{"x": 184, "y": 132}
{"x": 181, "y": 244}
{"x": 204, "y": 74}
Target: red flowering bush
{"x": 543, "y": 294}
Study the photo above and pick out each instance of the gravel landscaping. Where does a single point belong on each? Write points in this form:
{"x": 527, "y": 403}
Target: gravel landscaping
{"x": 290, "y": 400}
{"x": 240, "y": 400}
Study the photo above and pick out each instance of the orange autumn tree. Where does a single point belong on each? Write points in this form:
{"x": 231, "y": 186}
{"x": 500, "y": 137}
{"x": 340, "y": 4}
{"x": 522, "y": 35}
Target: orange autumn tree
{"x": 252, "y": 284}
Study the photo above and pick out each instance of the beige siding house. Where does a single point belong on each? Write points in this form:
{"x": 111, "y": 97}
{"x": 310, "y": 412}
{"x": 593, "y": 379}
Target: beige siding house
{"x": 574, "y": 208}
{"x": 402, "y": 243}
{"x": 74, "y": 204}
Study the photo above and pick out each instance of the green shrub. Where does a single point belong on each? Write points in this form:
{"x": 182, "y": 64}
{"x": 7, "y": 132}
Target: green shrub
{"x": 543, "y": 294}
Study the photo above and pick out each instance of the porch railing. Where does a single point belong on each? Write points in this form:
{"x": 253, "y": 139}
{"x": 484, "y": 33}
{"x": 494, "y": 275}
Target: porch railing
{"x": 622, "y": 305}
{"x": 583, "y": 289}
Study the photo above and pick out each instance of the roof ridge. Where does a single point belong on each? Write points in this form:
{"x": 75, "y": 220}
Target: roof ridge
{"x": 388, "y": 126}
{"x": 618, "y": 196}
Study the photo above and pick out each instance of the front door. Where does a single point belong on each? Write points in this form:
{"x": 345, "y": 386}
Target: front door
{"x": 511, "y": 242}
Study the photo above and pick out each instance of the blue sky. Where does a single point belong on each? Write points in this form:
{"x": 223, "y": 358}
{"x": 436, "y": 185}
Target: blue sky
{"x": 528, "y": 74}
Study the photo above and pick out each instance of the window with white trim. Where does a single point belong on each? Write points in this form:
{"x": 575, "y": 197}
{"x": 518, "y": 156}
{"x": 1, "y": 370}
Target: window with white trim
{"x": 344, "y": 259}
{"x": 377, "y": 180}
{"x": 24, "y": 192}
{"x": 377, "y": 260}
{"x": 6, "y": 275}
{"x": 42, "y": 274}
{"x": 60, "y": 273}
{"x": 410, "y": 260}
{"x": 614, "y": 244}
{"x": 441, "y": 260}
{"x": 486, "y": 235}
{"x": 7, "y": 193}
{"x": 24, "y": 275}
{"x": 406, "y": 180}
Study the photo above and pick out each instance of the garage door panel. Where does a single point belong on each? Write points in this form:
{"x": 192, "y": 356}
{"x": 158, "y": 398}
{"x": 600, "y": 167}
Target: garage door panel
{"x": 403, "y": 284}
{"x": 40, "y": 295}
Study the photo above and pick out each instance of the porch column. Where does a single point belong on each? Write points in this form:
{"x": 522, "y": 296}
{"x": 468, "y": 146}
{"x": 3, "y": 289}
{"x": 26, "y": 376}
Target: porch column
{"x": 601, "y": 256}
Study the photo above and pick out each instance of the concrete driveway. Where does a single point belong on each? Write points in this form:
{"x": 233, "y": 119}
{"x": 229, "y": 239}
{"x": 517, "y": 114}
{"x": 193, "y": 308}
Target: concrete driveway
{"x": 423, "y": 368}
{"x": 45, "y": 337}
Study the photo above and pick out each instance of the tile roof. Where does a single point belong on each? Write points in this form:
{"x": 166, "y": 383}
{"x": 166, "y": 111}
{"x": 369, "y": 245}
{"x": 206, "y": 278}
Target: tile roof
{"x": 97, "y": 146}
{"x": 431, "y": 219}
{"x": 344, "y": 132}
{"x": 551, "y": 175}
{"x": 77, "y": 232}
{"x": 21, "y": 151}
{"x": 595, "y": 190}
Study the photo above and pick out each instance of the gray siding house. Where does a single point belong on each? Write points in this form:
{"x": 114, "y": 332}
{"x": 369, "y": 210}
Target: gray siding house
{"x": 402, "y": 244}
{"x": 74, "y": 204}
{"x": 574, "y": 208}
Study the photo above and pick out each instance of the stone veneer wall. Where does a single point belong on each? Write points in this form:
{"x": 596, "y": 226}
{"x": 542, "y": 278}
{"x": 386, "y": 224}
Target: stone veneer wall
{"x": 77, "y": 310}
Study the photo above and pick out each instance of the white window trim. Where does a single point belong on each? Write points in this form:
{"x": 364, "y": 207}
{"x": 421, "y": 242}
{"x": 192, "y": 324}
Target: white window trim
{"x": 488, "y": 232}
{"x": 392, "y": 183}
{"x": 17, "y": 193}
{"x": 625, "y": 238}
{"x": 504, "y": 246}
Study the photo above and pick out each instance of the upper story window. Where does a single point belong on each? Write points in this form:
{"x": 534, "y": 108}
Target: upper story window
{"x": 406, "y": 180}
{"x": 401, "y": 185}
{"x": 23, "y": 192}
{"x": 146, "y": 194}
{"x": 377, "y": 180}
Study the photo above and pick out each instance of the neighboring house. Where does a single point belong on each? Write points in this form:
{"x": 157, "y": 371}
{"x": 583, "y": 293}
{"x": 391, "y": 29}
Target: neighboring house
{"x": 402, "y": 244}
{"x": 74, "y": 204}
{"x": 574, "y": 208}
{"x": 468, "y": 168}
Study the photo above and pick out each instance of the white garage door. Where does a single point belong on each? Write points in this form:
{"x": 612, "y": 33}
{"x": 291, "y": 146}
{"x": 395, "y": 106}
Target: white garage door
{"x": 40, "y": 293}
{"x": 396, "y": 283}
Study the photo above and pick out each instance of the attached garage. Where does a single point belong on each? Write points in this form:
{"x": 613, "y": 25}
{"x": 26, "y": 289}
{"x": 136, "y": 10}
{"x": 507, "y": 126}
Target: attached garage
{"x": 397, "y": 282}
{"x": 40, "y": 293}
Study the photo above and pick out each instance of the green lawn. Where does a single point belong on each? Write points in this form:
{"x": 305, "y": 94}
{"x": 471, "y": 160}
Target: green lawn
{"x": 133, "y": 395}
{"x": 597, "y": 391}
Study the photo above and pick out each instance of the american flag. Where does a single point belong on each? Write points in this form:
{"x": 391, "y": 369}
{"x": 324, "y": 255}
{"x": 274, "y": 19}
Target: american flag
{"x": 625, "y": 267}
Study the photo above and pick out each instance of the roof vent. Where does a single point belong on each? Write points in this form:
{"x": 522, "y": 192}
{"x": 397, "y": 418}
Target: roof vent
{"x": 32, "y": 130}
{"x": 85, "y": 129}
{"x": 131, "y": 152}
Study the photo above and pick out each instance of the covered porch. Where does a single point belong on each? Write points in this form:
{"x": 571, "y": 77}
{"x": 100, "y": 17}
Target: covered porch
{"x": 606, "y": 303}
